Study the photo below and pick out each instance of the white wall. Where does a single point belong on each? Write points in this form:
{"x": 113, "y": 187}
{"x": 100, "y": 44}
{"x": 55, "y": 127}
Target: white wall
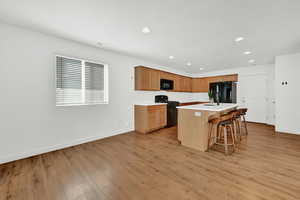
{"x": 30, "y": 121}
{"x": 287, "y": 68}
{"x": 256, "y": 87}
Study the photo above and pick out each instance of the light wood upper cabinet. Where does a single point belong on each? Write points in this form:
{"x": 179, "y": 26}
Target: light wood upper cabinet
{"x": 187, "y": 84}
{"x": 214, "y": 79}
{"x": 224, "y": 78}
{"x": 182, "y": 84}
{"x": 178, "y": 84}
{"x": 155, "y": 79}
{"x": 200, "y": 85}
{"x": 167, "y": 75}
{"x": 147, "y": 79}
{"x": 233, "y": 77}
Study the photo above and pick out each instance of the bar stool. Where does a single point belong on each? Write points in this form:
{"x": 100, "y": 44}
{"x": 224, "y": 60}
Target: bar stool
{"x": 224, "y": 124}
{"x": 242, "y": 112}
{"x": 212, "y": 121}
{"x": 236, "y": 118}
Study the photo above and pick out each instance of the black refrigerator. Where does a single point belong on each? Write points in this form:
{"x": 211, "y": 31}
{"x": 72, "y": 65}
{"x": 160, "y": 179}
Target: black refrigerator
{"x": 225, "y": 90}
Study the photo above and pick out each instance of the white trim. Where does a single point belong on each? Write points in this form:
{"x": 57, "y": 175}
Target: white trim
{"x": 39, "y": 151}
{"x": 106, "y": 84}
{"x": 82, "y": 81}
{"x": 82, "y": 59}
{"x": 81, "y": 104}
{"x": 286, "y": 131}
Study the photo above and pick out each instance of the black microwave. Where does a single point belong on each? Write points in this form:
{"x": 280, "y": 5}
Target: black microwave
{"x": 166, "y": 84}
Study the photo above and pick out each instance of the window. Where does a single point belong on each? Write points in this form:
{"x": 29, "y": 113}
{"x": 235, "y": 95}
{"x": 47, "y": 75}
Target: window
{"x": 80, "y": 82}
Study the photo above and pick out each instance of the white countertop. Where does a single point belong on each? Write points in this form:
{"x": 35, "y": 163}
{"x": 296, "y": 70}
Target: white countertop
{"x": 192, "y": 101}
{"x": 215, "y": 108}
{"x": 149, "y": 104}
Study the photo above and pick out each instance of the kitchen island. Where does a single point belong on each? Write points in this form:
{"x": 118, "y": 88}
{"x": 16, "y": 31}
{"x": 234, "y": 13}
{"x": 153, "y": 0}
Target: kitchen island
{"x": 193, "y": 123}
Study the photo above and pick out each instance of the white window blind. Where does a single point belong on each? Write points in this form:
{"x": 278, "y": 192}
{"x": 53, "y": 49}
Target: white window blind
{"x": 80, "y": 82}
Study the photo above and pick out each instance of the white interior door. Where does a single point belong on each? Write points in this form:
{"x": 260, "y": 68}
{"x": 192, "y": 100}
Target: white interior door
{"x": 287, "y": 72}
{"x": 252, "y": 95}
{"x": 270, "y": 102}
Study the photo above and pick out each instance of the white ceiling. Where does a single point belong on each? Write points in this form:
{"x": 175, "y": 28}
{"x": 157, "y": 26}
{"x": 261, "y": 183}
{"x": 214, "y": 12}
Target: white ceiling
{"x": 199, "y": 31}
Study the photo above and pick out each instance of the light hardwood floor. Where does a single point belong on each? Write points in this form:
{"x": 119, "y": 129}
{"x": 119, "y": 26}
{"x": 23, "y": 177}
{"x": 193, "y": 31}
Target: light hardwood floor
{"x": 139, "y": 167}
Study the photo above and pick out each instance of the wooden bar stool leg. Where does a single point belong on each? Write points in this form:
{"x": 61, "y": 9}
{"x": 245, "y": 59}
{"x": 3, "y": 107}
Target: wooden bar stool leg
{"x": 245, "y": 124}
{"x": 240, "y": 128}
{"x": 209, "y": 136}
{"x": 235, "y": 129}
{"x": 225, "y": 140}
{"x": 219, "y": 133}
{"x": 233, "y": 137}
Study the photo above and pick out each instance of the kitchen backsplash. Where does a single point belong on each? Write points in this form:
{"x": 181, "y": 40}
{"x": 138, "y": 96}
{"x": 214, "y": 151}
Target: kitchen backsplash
{"x": 148, "y": 96}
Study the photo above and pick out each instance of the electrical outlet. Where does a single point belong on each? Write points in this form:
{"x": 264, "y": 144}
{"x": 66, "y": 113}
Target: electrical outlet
{"x": 198, "y": 114}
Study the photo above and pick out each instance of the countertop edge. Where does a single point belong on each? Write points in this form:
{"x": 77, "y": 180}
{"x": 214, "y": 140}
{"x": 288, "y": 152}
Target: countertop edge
{"x": 208, "y": 108}
{"x": 149, "y": 104}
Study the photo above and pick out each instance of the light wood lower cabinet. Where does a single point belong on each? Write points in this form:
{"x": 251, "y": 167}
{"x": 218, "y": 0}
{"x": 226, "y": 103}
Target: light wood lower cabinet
{"x": 149, "y": 118}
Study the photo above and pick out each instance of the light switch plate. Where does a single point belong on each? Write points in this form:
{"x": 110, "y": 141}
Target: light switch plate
{"x": 198, "y": 114}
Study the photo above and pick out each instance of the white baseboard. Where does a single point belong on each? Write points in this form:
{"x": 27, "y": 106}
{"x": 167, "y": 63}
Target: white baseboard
{"x": 280, "y": 130}
{"x": 35, "y": 152}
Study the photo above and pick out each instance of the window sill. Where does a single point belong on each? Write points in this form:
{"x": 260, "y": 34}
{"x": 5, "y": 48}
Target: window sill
{"x": 81, "y": 104}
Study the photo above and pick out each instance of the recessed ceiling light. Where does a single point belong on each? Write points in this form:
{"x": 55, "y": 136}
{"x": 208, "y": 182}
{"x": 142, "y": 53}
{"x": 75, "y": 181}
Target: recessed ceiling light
{"x": 171, "y": 57}
{"x": 238, "y": 39}
{"x": 251, "y": 61}
{"x": 201, "y": 68}
{"x": 188, "y": 63}
{"x": 146, "y": 30}
{"x": 247, "y": 52}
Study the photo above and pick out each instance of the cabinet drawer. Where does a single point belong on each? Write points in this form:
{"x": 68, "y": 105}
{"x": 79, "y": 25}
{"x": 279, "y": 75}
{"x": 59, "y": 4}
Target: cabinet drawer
{"x": 156, "y": 107}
